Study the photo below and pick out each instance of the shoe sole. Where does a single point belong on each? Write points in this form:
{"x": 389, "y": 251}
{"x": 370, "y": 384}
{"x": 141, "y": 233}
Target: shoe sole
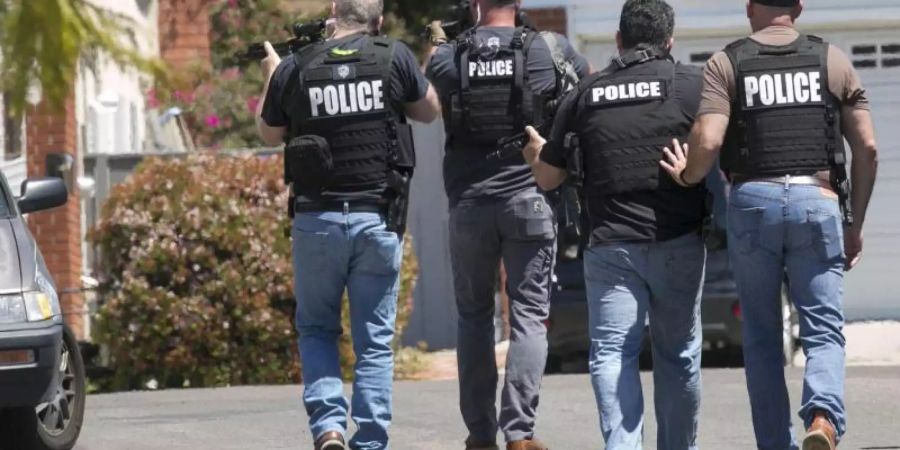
{"x": 333, "y": 444}
{"x": 817, "y": 441}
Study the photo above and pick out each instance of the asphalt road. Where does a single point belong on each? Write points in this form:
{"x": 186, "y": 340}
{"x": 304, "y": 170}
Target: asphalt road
{"x": 426, "y": 416}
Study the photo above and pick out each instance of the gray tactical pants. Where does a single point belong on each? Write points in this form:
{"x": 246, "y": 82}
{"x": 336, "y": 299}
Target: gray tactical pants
{"x": 521, "y": 231}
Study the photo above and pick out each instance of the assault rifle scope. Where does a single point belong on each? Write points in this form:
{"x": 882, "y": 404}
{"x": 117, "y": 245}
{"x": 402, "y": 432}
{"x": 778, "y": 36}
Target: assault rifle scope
{"x": 458, "y": 19}
{"x": 305, "y": 33}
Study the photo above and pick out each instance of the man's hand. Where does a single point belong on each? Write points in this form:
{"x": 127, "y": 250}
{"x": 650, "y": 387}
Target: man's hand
{"x": 676, "y": 161}
{"x": 853, "y": 245}
{"x": 436, "y": 33}
{"x": 270, "y": 62}
{"x": 532, "y": 150}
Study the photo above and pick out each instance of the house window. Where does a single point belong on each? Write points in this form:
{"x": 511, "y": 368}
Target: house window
{"x": 700, "y": 57}
{"x": 873, "y": 56}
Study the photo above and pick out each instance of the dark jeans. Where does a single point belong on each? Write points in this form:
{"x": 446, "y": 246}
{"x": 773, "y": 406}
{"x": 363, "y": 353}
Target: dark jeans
{"x": 522, "y": 232}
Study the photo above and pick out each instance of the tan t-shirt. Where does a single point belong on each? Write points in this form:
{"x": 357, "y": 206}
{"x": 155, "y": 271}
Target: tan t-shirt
{"x": 720, "y": 86}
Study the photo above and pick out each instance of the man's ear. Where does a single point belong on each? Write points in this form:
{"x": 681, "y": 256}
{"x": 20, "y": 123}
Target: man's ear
{"x": 749, "y": 9}
{"x": 797, "y": 10}
{"x": 619, "y": 44}
{"x": 671, "y": 43}
{"x": 380, "y": 23}
{"x": 333, "y": 9}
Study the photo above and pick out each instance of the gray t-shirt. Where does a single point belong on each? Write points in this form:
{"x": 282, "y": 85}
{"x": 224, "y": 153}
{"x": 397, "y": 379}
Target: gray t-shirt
{"x": 470, "y": 177}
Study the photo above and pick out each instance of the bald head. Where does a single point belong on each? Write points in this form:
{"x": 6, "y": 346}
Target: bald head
{"x": 762, "y": 16}
{"x": 358, "y": 14}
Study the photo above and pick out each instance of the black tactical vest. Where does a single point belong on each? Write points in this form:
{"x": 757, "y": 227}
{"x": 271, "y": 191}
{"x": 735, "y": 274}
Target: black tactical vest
{"x": 625, "y": 116}
{"x": 343, "y": 97}
{"x": 494, "y": 100}
{"x": 784, "y": 121}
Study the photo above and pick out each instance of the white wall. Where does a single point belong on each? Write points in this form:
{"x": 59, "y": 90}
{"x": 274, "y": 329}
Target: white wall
{"x": 110, "y": 100}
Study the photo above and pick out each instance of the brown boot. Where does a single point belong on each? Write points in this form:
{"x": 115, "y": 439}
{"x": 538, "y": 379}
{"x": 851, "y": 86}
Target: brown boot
{"x": 476, "y": 445}
{"x": 530, "y": 444}
{"x": 331, "y": 440}
{"x": 820, "y": 435}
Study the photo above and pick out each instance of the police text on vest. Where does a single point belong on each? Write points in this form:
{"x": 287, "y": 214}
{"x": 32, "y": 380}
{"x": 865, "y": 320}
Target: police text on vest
{"x": 362, "y": 96}
{"x": 783, "y": 89}
{"x": 495, "y": 68}
{"x": 641, "y": 90}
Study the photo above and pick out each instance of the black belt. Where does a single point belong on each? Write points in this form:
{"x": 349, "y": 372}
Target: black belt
{"x": 345, "y": 207}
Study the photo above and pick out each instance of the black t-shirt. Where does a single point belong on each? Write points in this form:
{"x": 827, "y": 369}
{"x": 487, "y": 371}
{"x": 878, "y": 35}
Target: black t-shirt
{"x": 407, "y": 85}
{"x": 469, "y": 176}
{"x": 643, "y": 216}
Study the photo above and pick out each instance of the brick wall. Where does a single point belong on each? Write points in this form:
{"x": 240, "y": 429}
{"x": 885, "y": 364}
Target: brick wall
{"x": 58, "y": 231}
{"x": 184, "y": 32}
{"x": 549, "y": 19}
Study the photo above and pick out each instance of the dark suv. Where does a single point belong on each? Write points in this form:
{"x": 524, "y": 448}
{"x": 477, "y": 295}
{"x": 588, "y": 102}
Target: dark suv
{"x": 42, "y": 384}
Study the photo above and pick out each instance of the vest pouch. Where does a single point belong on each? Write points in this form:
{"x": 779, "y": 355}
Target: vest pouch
{"x": 405, "y": 152}
{"x": 309, "y": 162}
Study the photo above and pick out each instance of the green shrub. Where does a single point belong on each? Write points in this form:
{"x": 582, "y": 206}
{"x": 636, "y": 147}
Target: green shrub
{"x": 199, "y": 282}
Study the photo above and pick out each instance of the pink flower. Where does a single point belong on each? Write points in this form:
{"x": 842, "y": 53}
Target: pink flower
{"x": 152, "y": 99}
{"x": 231, "y": 74}
{"x": 232, "y": 3}
{"x": 252, "y": 104}
{"x": 184, "y": 96}
{"x": 212, "y": 121}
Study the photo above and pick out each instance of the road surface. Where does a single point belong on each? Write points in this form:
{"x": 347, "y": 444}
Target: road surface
{"x": 426, "y": 415}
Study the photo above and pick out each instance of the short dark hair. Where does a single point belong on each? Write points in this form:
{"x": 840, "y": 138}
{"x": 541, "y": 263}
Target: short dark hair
{"x": 500, "y": 3}
{"x": 646, "y": 23}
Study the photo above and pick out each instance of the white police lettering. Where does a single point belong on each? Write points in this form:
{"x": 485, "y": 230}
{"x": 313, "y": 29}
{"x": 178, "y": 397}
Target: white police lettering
{"x": 783, "y": 89}
{"x": 495, "y": 68}
{"x": 349, "y": 98}
{"x": 628, "y": 91}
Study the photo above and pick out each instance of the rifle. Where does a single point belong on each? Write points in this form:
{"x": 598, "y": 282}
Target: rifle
{"x": 458, "y": 19}
{"x": 305, "y": 33}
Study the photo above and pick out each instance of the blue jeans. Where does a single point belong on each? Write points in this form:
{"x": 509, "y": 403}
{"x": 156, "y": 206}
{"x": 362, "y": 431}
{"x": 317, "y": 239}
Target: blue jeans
{"x": 795, "y": 231}
{"x": 334, "y": 251}
{"x": 624, "y": 283}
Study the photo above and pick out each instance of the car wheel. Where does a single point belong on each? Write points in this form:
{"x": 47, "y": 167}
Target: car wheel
{"x": 56, "y": 424}
{"x": 789, "y": 333}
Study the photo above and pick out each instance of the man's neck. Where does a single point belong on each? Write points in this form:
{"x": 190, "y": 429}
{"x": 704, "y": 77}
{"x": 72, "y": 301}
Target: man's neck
{"x": 499, "y": 17}
{"x": 780, "y": 21}
{"x": 344, "y": 32}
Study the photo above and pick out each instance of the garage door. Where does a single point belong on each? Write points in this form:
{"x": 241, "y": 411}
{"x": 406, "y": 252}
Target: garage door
{"x": 872, "y": 288}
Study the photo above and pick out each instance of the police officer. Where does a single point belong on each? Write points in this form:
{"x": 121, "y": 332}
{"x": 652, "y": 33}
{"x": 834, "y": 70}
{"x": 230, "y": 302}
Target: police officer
{"x": 493, "y": 80}
{"x": 645, "y": 254}
{"x": 779, "y": 105}
{"x": 340, "y": 106}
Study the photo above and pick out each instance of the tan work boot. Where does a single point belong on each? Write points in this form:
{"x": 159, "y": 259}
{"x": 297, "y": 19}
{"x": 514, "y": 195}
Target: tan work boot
{"x": 530, "y": 444}
{"x": 820, "y": 435}
{"x": 331, "y": 440}
{"x": 475, "y": 445}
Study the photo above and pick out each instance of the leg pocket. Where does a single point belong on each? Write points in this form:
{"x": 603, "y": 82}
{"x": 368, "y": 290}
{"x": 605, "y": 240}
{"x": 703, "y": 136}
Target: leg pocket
{"x": 685, "y": 265}
{"x": 534, "y": 218}
{"x": 744, "y": 228}
{"x": 827, "y": 234}
{"x": 382, "y": 253}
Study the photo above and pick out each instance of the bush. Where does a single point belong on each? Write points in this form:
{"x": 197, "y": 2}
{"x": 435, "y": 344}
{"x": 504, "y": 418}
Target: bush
{"x": 199, "y": 283}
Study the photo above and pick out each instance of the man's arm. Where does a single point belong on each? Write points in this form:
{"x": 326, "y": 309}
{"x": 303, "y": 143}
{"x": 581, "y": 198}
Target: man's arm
{"x": 547, "y": 177}
{"x": 860, "y": 133}
{"x": 425, "y": 110}
{"x": 689, "y": 163}
{"x": 270, "y": 135}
